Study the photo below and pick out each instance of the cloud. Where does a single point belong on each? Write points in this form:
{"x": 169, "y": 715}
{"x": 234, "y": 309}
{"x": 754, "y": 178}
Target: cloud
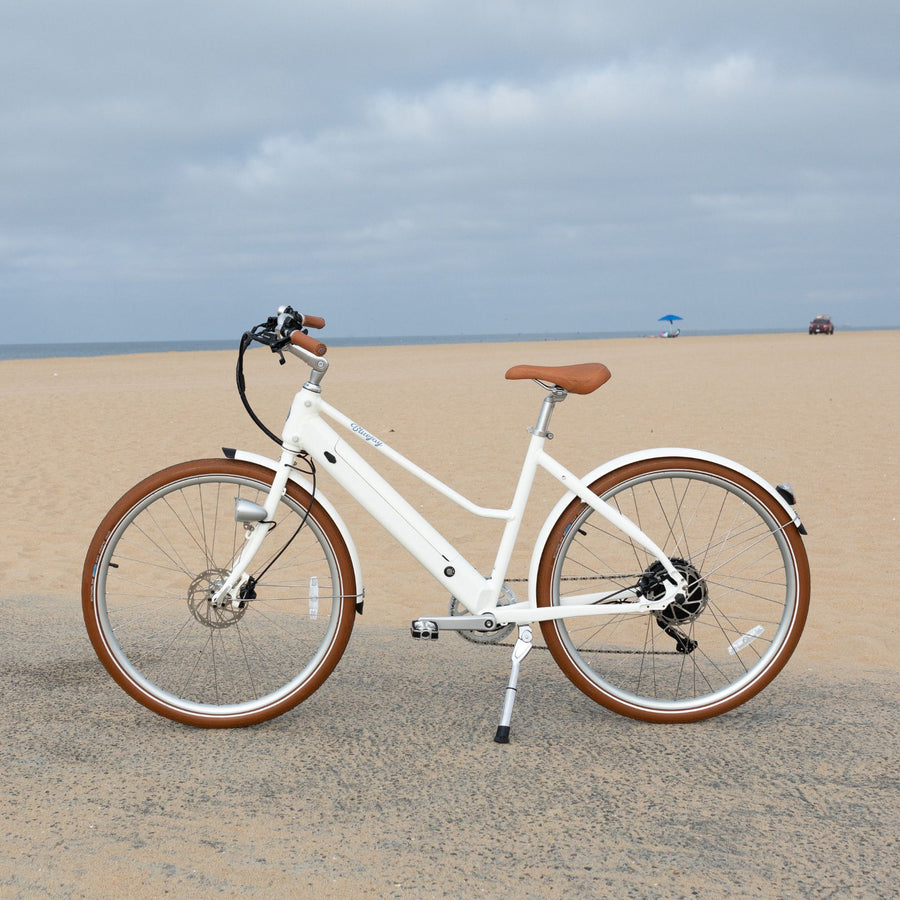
{"x": 574, "y": 142}
{"x": 488, "y": 156}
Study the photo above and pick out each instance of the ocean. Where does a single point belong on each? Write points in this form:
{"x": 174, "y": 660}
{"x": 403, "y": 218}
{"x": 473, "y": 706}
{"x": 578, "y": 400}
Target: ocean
{"x": 118, "y": 348}
{"x": 50, "y": 351}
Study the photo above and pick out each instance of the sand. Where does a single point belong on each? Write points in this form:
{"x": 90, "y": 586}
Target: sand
{"x": 386, "y": 783}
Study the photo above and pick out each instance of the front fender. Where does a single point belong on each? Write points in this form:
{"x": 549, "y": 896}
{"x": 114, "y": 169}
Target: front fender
{"x": 643, "y": 456}
{"x": 326, "y": 504}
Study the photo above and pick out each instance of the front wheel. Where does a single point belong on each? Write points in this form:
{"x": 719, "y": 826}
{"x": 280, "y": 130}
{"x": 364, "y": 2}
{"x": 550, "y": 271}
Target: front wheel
{"x": 747, "y": 591}
{"x": 157, "y": 559}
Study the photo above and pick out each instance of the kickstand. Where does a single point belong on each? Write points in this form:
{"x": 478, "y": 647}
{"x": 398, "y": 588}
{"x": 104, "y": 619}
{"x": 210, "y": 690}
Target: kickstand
{"x": 520, "y": 651}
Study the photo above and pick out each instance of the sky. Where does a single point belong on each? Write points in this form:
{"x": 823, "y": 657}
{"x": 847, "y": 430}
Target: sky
{"x": 177, "y": 170}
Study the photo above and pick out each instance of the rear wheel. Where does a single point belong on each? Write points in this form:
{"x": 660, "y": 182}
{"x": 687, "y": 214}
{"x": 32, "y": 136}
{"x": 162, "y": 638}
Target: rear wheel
{"x": 158, "y": 558}
{"x": 747, "y": 591}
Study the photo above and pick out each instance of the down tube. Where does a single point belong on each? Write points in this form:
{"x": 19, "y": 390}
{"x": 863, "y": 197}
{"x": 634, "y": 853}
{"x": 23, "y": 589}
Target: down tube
{"x": 433, "y": 551}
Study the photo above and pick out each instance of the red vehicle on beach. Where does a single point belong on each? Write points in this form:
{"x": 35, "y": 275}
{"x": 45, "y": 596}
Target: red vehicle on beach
{"x": 821, "y": 325}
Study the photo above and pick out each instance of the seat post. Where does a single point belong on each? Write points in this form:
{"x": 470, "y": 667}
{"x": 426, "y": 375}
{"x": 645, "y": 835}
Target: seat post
{"x": 542, "y": 429}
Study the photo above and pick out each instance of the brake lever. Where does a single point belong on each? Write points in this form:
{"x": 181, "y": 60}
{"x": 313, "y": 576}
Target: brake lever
{"x": 277, "y": 346}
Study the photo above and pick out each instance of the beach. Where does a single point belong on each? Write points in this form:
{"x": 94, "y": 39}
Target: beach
{"x": 386, "y": 782}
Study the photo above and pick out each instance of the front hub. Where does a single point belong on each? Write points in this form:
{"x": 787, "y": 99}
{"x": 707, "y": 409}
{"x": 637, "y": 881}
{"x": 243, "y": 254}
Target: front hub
{"x": 199, "y": 599}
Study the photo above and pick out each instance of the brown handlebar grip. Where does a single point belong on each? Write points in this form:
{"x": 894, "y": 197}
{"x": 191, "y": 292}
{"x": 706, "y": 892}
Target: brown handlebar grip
{"x": 314, "y": 346}
{"x": 313, "y": 322}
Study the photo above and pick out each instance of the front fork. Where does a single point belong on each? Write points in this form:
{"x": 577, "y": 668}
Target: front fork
{"x": 258, "y": 521}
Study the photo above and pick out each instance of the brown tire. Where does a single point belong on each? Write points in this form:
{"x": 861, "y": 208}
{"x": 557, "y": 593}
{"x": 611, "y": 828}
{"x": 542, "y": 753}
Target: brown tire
{"x": 156, "y": 560}
{"x": 747, "y": 601}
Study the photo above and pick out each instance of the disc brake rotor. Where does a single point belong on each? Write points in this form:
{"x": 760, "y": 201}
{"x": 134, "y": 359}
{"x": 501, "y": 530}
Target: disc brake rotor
{"x": 201, "y": 592}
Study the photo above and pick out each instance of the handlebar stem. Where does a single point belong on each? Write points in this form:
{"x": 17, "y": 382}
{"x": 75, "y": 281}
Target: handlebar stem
{"x": 318, "y": 366}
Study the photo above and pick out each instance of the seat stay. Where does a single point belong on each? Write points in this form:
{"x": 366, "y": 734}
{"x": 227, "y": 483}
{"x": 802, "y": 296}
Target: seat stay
{"x": 580, "y": 488}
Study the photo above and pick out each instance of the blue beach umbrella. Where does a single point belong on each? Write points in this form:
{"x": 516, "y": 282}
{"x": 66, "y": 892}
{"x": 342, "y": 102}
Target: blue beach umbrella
{"x": 670, "y": 318}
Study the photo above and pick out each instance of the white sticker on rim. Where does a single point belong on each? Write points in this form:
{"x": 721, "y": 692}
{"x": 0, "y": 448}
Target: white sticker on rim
{"x": 314, "y": 597}
{"x": 745, "y": 639}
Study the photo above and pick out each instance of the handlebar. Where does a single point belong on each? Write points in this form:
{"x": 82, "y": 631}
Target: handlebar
{"x": 285, "y": 331}
{"x": 292, "y": 326}
{"x": 313, "y": 322}
{"x": 289, "y": 327}
{"x": 313, "y": 345}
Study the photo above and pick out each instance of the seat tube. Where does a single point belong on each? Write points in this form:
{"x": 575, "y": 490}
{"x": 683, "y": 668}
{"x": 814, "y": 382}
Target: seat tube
{"x": 539, "y": 434}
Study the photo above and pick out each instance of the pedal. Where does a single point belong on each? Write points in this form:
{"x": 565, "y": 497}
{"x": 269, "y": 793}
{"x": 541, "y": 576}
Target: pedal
{"x": 424, "y": 629}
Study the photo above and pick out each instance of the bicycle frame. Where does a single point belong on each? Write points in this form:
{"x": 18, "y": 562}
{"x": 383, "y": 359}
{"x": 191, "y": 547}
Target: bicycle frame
{"x": 307, "y": 431}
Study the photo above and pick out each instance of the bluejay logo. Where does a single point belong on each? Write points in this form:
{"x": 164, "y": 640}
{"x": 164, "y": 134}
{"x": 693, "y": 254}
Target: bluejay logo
{"x": 369, "y": 438}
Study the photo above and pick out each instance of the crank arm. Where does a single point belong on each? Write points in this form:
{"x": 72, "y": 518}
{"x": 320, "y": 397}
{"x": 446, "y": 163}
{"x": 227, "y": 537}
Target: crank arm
{"x": 431, "y": 626}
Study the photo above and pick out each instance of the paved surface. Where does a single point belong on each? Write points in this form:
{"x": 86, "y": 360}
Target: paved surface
{"x": 387, "y": 784}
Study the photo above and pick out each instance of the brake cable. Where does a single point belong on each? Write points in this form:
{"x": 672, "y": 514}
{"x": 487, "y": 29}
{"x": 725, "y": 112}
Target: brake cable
{"x": 247, "y": 338}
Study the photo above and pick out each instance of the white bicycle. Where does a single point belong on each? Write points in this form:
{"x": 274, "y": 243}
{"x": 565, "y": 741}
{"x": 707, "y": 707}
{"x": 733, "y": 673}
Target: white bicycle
{"x": 670, "y": 585}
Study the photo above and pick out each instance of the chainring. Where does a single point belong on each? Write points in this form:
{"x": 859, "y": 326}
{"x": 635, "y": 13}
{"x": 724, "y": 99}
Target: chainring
{"x": 507, "y": 597}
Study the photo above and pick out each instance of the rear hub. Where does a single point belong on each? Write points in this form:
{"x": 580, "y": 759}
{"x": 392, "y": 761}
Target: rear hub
{"x": 652, "y": 585}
